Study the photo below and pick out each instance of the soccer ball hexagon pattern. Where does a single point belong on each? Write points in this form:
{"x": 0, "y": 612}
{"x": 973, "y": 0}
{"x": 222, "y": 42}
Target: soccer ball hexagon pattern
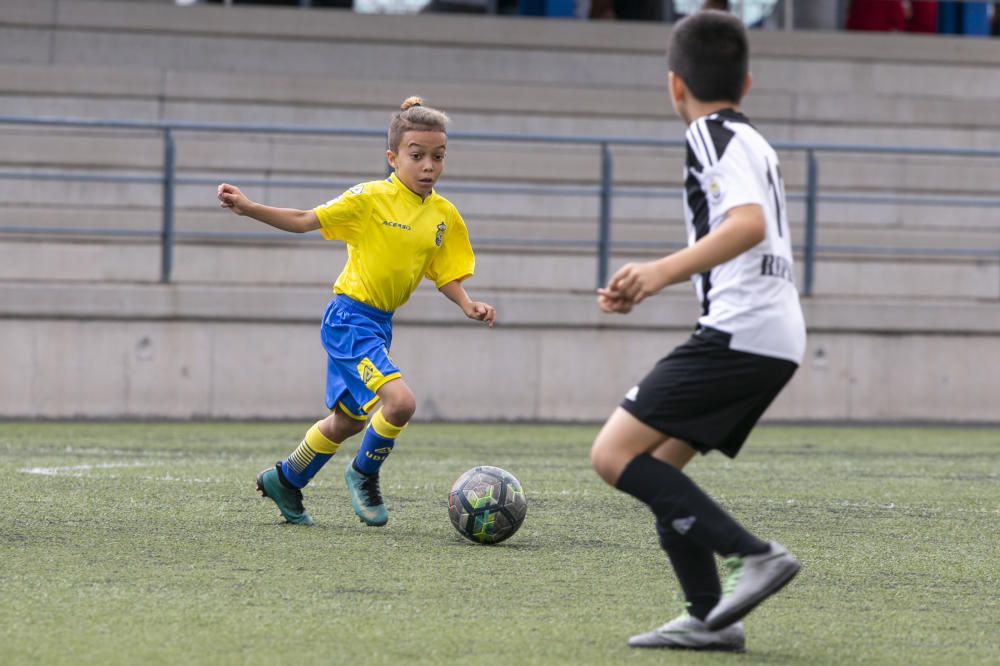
{"x": 487, "y": 504}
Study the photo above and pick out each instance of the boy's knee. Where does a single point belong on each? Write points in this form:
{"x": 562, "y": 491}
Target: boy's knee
{"x": 602, "y": 460}
{"x": 399, "y": 409}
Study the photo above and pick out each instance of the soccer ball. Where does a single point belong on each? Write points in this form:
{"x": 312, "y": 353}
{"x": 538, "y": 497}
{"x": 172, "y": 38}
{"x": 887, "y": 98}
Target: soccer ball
{"x": 487, "y": 504}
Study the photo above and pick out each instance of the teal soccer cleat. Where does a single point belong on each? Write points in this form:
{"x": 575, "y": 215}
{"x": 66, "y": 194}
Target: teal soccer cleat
{"x": 366, "y": 497}
{"x": 289, "y": 500}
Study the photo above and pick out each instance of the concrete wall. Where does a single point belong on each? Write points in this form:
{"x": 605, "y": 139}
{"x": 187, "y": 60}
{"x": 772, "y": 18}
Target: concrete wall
{"x": 154, "y": 351}
{"x": 153, "y": 369}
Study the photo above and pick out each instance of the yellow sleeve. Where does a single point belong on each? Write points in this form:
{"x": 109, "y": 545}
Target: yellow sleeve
{"x": 342, "y": 218}
{"x": 455, "y": 260}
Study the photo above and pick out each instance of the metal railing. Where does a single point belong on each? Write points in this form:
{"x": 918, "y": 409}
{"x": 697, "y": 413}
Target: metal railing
{"x": 605, "y": 191}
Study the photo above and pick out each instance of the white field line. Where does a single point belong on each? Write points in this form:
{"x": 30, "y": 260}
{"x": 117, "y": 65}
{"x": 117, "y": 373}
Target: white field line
{"x": 181, "y": 479}
{"x": 79, "y": 470}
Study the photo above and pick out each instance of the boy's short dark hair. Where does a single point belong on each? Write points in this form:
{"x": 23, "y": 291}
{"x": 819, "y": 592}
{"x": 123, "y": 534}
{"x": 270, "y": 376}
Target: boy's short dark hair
{"x": 708, "y": 51}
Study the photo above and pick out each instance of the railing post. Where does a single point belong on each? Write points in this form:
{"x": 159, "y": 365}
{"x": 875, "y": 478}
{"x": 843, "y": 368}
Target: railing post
{"x": 604, "y": 231}
{"x": 812, "y": 186}
{"x": 167, "y": 231}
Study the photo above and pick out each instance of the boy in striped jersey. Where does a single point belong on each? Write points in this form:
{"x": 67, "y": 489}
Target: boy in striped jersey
{"x": 709, "y": 392}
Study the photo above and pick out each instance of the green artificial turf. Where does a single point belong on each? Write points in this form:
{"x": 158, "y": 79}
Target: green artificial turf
{"x": 146, "y": 544}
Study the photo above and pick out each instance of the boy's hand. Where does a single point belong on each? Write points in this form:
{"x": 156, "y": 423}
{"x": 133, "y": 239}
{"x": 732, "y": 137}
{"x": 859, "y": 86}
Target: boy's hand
{"x": 481, "y": 312}
{"x": 230, "y": 197}
{"x": 631, "y": 285}
{"x": 613, "y": 304}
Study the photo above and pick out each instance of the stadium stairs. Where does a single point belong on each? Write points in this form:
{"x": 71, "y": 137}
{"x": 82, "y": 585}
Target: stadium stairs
{"x": 897, "y": 332}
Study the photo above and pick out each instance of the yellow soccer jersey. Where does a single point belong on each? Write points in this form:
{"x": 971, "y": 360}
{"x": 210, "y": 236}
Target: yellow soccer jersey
{"x": 394, "y": 240}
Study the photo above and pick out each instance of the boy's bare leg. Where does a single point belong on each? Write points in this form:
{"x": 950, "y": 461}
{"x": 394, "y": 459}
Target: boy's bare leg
{"x": 674, "y": 452}
{"x": 338, "y": 426}
{"x": 622, "y": 438}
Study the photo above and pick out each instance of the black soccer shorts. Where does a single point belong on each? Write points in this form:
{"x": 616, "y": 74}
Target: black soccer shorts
{"x": 707, "y": 394}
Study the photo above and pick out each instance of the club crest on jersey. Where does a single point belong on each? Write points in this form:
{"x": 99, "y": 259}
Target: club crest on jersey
{"x": 440, "y": 234}
{"x": 715, "y": 191}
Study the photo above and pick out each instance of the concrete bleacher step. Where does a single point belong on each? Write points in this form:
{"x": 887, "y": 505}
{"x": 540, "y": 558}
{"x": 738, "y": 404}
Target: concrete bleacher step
{"x": 503, "y": 34}
{"x": 166, "y": 85}
{"x": 318, "y": 263}
{"x": 233, "y": 155}
{"x": 658, "y": 230}
{"x": 674, "y": 309}
{"x": 484, "y": 63}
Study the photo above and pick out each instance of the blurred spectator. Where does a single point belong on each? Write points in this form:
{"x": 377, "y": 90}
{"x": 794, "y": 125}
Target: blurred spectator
{"x": 995, "y": 23}
{"x": 346, "y": 4}
{"x": 721, "y": 5}
{"x": 963, "y": 18}
{"x": 876, "y": 15}
{"x": 922, "y": 16}
{"x": 627, "y": 10}
{"x": 456, "y": 7}
{"x": 506, "y": 7}
{"x": 554, "y": 8}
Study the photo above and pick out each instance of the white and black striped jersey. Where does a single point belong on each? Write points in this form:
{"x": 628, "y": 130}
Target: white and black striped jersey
{"x": 753, "y": 296}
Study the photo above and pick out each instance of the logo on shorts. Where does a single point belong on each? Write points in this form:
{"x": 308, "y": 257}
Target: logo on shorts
{"x": 440, "y": 234}
{"x": 682, "y": 525}
{"x": 368, "y": 373}
{"x": 632, "y": 394}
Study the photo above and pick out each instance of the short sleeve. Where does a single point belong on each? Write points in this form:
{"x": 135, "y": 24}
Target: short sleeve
{"x": 342, "y": 218}
{"x": 455, "y": 259}
{"x": 734, "y": 181}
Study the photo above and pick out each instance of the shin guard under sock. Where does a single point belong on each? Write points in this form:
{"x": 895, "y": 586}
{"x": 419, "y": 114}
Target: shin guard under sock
{"x": 308, "y": 458}
{"x": 694, "y": 566}
{"x": 678, "y": 502}
{"x": 380, "y": 437}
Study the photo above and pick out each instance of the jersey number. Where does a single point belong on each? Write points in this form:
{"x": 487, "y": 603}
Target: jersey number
{"x": 777, "y": 186}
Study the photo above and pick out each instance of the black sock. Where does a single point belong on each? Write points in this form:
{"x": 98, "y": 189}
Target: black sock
{"x": 676, "y": 501}
{"x": 695, "y": 568}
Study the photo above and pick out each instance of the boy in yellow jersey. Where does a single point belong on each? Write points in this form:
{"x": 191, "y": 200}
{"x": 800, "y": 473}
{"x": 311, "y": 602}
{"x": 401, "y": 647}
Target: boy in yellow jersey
{"x": 398, "y": 231}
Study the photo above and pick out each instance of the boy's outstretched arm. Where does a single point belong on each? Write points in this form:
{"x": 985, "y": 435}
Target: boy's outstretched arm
{"x": 633, "y": 283}
{"x": 472, "y": 309}
{"x": 286, "y": 219}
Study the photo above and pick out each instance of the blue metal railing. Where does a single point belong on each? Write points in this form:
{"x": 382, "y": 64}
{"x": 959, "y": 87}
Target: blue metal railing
{"x": 605, "y": 191}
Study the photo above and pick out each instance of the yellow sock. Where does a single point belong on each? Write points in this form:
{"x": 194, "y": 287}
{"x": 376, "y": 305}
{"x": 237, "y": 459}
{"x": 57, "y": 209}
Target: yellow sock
{"x": 318, "y": 442}
{"x": 383, "y": 428}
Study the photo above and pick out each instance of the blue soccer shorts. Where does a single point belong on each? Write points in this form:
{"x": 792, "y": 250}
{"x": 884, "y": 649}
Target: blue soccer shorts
{"x": 357, "y": 339}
